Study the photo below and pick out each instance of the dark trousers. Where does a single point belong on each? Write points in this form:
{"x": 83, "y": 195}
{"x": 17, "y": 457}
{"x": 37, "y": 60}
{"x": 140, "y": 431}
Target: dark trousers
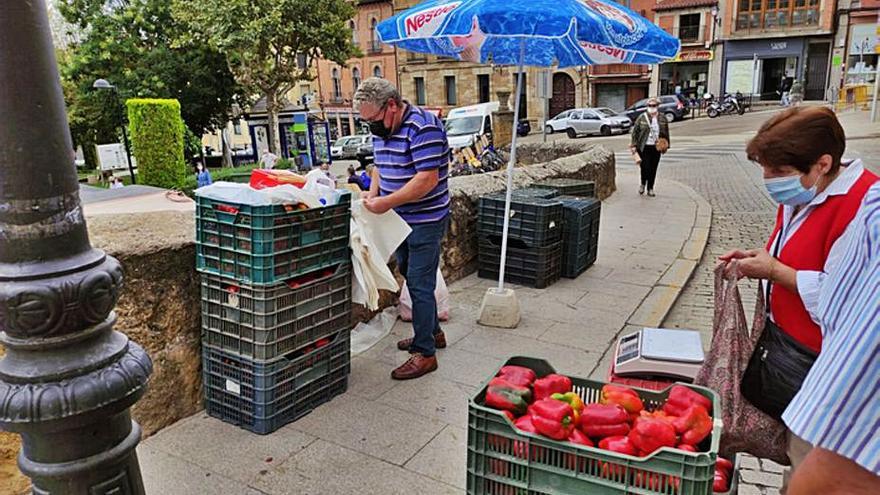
{"x": 650, "y": 161}
{"x": 418, "y": 259}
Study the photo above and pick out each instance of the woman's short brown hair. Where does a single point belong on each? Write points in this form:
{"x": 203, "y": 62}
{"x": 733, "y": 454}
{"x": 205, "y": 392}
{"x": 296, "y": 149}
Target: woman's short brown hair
{"x": 798, "y": 137}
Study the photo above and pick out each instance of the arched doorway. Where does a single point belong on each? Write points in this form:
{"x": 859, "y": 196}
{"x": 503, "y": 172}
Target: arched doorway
{"x": 563, "y": 94}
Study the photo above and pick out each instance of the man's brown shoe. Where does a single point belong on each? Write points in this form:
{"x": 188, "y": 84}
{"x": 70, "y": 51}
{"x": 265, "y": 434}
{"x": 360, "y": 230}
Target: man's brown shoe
{"x": 439, "y": 342}
{"x": 416, "y": 366}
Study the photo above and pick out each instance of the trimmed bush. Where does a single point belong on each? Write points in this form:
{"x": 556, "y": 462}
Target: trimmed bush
{"x": 157, "y": 134}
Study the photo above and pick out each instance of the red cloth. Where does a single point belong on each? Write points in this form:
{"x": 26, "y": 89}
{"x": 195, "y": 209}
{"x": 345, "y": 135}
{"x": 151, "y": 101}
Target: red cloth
{"x": 808, "y": 249}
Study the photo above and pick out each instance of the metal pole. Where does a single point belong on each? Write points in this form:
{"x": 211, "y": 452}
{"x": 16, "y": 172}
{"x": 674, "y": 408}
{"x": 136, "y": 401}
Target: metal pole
{"x": 510, "y": 165}
{"x": 128, "y": 153}
{"x": 67, "y": 380}
{"x": 876, "y": 92}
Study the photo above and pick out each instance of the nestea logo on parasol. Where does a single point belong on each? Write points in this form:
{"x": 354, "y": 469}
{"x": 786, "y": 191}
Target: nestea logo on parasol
{"x": 426, "y": 23}
{"x": 603, "y": 54}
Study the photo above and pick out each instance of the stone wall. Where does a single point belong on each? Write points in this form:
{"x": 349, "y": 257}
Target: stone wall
{"x": 594, "y": 163}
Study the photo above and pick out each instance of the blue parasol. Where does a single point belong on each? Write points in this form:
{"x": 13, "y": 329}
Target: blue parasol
{"x": 540, "y": 33}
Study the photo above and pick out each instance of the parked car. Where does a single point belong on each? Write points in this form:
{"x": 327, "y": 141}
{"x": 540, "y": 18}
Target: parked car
{"x": 559, "y": 123}
{"x": 352, "y": 145}
{"x": 587, "y": 121}
{"x": 364, "y": 153}
{"x": 673, "y": 107}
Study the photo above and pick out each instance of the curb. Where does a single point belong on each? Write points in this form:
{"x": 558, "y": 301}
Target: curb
{"x": 653, "y": 309}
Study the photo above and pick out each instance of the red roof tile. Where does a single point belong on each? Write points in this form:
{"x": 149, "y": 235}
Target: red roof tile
{"x": 683, "y": 4}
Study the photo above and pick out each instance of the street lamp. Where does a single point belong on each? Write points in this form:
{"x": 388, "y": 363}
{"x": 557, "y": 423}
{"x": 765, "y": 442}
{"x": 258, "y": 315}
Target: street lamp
{"x": 103, "y": 84}
{"x": 67, "y": 379}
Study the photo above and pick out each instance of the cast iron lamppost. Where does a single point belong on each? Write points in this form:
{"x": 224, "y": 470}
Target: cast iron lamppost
{"x": 67, "y": 380}
{"x": 103, "y": 84}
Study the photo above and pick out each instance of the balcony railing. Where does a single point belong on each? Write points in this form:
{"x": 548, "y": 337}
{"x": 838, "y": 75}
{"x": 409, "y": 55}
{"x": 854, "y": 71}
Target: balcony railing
{"x": 414, "y": 57}
{"x": 618, "y": 70}
{"x": 777, "y": 19}
{"x": 375, "y": 46}
{"x": 692, "y": 34}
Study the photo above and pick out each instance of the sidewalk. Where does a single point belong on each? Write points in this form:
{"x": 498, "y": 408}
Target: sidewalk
{"x": 385, "y": 437}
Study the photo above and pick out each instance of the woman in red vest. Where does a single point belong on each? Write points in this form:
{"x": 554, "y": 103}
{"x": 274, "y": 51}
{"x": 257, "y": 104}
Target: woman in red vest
{"x": 800, "y": 151}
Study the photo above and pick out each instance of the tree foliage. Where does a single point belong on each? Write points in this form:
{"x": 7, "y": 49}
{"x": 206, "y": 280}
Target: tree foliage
{"x": 157, "y": 139}
{"x": 271, "y": 44}
{"x": 140, "y": 47}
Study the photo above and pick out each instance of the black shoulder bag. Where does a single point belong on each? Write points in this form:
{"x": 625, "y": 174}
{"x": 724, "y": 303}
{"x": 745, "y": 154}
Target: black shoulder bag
{"x": 778, "y": 365}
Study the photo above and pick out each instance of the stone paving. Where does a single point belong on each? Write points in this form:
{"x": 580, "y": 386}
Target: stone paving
{"x": 384, "y": 437}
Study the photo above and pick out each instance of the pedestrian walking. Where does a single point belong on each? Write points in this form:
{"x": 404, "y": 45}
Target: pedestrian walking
{"x": 412, "y": 158}
{"x": 650, "y": 139}
{"x": 838, "y": 408}
{"x": 800, "y": 151}
{"x": 796, "y": 95}
{"x": 203, "y": 177}
{"x": 784, "y": 90}
{"x": 268, "y": 159}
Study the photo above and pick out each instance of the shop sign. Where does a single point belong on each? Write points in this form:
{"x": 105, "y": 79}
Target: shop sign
{"x": 694, "y": 56}
{"x": 778, "y": 45}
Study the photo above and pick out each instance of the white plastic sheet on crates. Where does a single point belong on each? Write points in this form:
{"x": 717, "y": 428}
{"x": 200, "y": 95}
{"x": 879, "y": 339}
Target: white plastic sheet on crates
{"x": 245, "y": 194}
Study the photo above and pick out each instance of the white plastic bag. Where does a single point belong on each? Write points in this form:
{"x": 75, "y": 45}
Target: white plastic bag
{"x": 441, "y": 293}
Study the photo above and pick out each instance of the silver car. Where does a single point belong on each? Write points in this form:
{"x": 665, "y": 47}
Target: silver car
{"x": 586, "y": 121}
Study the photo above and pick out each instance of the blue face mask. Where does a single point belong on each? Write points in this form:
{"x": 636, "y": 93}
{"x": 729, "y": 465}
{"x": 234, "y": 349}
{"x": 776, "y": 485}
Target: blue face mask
{"x": 789, "y": 190}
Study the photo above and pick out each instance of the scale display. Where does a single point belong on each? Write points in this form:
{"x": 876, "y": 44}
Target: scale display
{"x": 659, "y": 352}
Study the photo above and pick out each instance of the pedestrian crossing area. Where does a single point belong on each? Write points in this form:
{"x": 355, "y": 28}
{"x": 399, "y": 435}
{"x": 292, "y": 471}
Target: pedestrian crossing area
{"x": 688, "y": 154}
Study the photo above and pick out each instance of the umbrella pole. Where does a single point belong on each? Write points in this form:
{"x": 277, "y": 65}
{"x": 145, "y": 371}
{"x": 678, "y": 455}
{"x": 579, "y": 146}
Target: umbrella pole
{"x": 510, "y": 165}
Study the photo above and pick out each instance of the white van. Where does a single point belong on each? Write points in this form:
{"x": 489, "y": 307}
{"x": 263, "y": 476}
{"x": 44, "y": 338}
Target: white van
{"x": 465, "y": 123}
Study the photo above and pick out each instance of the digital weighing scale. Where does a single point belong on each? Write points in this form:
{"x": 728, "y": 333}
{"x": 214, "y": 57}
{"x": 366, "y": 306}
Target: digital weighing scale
{"x": 656, "y": 357}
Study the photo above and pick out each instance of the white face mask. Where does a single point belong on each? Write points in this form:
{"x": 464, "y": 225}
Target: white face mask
{"x": 653, "y": 110}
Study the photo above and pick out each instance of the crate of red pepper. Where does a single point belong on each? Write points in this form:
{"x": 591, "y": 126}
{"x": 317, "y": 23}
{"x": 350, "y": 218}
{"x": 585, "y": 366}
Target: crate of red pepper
{"x": 533, "y": 431}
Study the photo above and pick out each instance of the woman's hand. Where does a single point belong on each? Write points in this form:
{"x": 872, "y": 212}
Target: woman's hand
{"x": 754, "y": 263}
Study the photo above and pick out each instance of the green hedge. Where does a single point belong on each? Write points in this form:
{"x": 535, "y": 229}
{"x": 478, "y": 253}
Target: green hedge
{"x": 157, "y": 134}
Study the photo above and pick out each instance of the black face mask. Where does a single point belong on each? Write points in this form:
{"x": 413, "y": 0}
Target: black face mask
{"x": 377, "y": 127}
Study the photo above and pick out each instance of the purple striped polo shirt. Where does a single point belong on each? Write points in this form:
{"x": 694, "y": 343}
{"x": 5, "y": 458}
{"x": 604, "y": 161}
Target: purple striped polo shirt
{"x": 419, "y": 145}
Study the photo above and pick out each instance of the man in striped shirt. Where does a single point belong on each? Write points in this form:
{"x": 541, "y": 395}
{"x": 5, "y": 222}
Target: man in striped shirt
{"x": 411, "y": 155}
{"x": 837, "y": 410}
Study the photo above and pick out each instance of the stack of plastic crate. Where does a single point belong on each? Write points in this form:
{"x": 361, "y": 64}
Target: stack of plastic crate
{"x": 534, "y": 249}
{"x": 569, "y": 187}
{"x": 580, "y": 233}
{"x": 276, "y": 309}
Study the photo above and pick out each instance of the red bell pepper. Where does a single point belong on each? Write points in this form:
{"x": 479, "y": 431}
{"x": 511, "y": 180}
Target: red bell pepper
{"x": 551, "y": 384}
{"x": 504, "y": 395}
{"x": 604, "y": 420}
{"x": 518, "y": 375}
{"x": 724, "y": 464}
{"x": 574, "y": 400}
{"x": 524, "y": 423}
{"x": 620, "y": 444}
{"x": 687, "y": 448}
{"x": 720, "y": 482}
{"x": 694, "y": 425}
{"x": 509, "y": 415}
{"x": 659, "y": 414}
{"x": 553, "y": 418}
{"x": 650, "y": 434}
{"x": 624, "y": 397}
{"x": 681, "y": 397}
{"x": 579, "y": 438}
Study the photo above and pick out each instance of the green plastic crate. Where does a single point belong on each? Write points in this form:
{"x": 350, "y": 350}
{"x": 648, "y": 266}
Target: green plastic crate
{"x": 505, "y": 461}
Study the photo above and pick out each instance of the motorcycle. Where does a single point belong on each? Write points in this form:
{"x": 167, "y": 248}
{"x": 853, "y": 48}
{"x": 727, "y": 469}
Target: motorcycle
{"x": 726, "y": 105}
{"x": 523, "y": 128}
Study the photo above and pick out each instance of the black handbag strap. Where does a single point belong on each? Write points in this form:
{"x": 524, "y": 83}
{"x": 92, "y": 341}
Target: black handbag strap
{"x": 776, "y": 249}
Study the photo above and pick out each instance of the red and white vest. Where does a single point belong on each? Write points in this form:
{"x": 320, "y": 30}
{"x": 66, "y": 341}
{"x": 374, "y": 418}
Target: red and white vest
{"x": 807, "y": 249}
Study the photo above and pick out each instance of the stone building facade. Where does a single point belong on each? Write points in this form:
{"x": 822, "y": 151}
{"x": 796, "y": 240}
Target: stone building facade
{"x": 694, "y": 22}
{"x": 336, "y": 84}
